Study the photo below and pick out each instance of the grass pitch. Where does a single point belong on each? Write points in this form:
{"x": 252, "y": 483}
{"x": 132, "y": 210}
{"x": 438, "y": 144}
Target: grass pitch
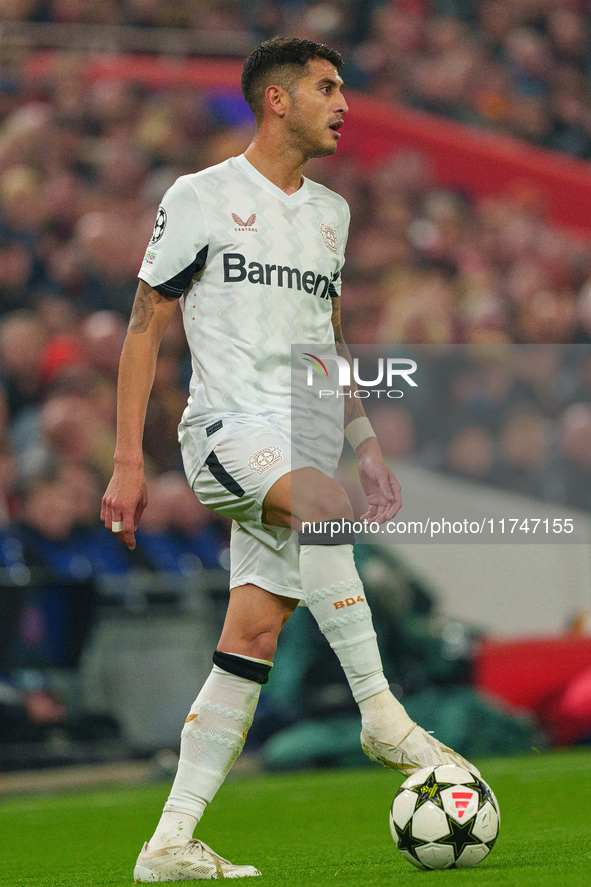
{"x": 312, "y": 828}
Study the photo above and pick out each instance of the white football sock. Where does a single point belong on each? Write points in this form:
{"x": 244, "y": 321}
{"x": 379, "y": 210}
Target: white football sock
{"x": 385, "y": 719}
{"x": 211, "y": 740}
{"x": 334, "y": 594}
{"x": 173, "y": 828}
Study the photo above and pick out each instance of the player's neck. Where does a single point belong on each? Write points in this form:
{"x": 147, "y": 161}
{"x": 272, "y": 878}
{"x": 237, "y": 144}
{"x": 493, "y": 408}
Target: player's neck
{"x": 282, "y": 167}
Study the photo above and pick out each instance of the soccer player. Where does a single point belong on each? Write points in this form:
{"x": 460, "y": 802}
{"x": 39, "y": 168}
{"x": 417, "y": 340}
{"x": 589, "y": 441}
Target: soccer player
{"x": 254, "y": 251}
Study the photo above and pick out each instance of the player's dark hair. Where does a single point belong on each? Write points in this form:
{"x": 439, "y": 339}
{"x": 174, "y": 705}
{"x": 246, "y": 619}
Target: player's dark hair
{"x": 282, "y": 59}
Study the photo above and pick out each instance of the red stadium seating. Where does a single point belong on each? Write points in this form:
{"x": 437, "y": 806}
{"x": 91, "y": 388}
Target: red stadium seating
{"x": 550, "y": 677}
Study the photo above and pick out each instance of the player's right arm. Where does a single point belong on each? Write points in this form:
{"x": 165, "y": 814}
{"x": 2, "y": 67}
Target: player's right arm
{"x": 126, "y": 496}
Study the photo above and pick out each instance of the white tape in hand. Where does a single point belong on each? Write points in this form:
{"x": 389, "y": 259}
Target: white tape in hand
{"x": 117, "y": 526}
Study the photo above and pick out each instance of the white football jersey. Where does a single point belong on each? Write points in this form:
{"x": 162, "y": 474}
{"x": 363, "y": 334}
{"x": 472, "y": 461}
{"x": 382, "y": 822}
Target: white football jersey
{"x": 255, "y": 270}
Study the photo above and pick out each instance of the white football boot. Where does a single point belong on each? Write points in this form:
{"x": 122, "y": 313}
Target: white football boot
{"x": 418, "y": 749}
{"x": 192, "y": 861}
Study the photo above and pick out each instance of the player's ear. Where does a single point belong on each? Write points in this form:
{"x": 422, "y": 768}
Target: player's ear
{"x": 276, "y": 100}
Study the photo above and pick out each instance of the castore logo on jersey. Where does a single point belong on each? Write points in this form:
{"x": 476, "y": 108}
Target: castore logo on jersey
{"x": 245, "y": 226}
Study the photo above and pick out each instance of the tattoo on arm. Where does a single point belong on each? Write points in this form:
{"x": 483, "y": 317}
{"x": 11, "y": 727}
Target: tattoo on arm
{"x": 353, "y": 405}
{"x": 143, "y": 307}
{"x": 336, "y": 320}
{"x": 142, "y": 310}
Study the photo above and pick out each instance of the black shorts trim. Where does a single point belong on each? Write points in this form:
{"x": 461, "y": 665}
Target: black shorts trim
{"x": 222, "y": 476}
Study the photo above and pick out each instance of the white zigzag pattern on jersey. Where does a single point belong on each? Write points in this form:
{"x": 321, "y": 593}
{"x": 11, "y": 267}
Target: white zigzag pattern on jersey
{"x": 199, "y": 208}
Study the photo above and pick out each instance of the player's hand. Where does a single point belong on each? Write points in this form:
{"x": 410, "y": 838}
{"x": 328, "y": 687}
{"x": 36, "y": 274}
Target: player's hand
{"x": 379, "y": 483}
{"x": 124, "y": 503}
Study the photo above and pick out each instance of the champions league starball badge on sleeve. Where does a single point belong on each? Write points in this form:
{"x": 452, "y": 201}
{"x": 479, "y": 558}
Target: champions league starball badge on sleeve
{"x": 159, "y": 225}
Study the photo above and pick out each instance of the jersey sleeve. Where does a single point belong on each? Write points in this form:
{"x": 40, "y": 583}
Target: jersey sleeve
{"x": 178, "y": 247}
{"x": 334, "y": 287}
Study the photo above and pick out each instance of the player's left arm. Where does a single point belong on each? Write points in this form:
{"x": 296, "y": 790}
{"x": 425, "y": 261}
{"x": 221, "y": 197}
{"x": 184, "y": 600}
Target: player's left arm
{"x": 377, "y": 479}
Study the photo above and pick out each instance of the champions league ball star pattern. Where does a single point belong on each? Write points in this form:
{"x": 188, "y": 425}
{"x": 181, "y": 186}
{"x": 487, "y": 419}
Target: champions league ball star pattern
{"x": 444, "y": 817}
{"x": 159, "y": 225}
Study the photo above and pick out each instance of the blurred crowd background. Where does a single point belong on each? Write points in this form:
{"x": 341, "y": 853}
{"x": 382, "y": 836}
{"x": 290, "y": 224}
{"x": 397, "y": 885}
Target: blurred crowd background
{"x": 517, "y": 66}
{"x": 517, "y": 419}
{"x": 83, "y": 164}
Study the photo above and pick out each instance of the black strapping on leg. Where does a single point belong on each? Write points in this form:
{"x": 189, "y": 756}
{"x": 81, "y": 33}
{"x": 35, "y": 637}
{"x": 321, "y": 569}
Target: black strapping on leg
{"x": 241, "y": 667}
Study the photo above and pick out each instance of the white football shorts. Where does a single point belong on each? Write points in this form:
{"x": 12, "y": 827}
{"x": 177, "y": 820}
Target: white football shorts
{"x": 238, "y": 473}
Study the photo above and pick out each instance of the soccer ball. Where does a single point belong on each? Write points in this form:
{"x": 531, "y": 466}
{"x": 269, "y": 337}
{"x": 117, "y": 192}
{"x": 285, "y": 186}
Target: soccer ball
{"x": 444, "y": 817}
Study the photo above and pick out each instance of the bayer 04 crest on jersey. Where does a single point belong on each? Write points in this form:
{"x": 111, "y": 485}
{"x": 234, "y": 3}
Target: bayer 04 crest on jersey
{"x": 444, "y": 817}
